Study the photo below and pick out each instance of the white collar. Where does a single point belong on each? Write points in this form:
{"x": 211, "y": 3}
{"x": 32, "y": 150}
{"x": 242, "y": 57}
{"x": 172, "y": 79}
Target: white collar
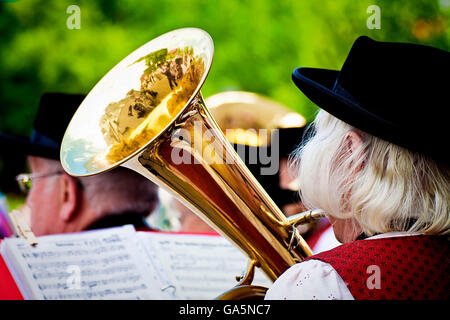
{"x": 394, "y": 234}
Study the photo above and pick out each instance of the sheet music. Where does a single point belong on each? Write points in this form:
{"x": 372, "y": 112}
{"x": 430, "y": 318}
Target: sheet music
{"x": 106, "y": 264}
{"x": 198, "y": 266}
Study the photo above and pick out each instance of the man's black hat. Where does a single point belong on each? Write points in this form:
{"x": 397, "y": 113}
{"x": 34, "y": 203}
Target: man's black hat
{"x": 395, "y": 91}
{"x": 52, "y": 118}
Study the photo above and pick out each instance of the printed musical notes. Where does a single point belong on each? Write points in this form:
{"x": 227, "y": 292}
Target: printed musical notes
{"x": 106, "y": 264}
{"x": 120, "y": 263}
{"x": 199, "y": 266}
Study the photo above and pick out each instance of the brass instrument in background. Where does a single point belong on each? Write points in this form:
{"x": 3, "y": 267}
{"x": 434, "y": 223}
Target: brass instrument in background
{"x": 238, "y": 111}
{"x": 147, "y": 114}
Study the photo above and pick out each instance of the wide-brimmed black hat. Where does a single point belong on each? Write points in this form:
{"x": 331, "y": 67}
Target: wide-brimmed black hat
{"x": 395, "y": 91}
{"x": 52, "y": 118}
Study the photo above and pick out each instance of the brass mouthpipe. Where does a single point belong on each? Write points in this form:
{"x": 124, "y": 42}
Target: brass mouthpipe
{"x": 306, "y": 217}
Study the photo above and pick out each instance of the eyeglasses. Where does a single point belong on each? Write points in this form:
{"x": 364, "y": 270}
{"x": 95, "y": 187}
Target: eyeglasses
{"x": 24, "y": 179}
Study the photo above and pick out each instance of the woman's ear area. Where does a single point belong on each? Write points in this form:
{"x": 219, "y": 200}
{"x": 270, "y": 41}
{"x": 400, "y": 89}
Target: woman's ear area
{"x": 353, "y": 141}
{"x": 69, "y": 197}
{"x": 353, "y": 149}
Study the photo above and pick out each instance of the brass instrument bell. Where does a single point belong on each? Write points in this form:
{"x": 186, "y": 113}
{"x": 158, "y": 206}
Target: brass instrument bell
{"x": 147, "y": 114}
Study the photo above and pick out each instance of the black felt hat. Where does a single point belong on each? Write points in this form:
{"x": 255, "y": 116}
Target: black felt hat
{"x": 395, "y": 91}
{"x": 52, "y": 118}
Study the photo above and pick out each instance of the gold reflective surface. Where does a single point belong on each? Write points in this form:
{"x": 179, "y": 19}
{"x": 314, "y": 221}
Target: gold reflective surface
{"x": 166, "y": 86}
{"x": 136, "y": 101}
{"x": 171, "y": 138}
{"x": 241, "y": 114}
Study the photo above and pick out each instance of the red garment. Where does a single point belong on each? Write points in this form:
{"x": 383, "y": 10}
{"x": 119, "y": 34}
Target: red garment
{"x": 409, "y": 267}
{"x": 8, "y": 288}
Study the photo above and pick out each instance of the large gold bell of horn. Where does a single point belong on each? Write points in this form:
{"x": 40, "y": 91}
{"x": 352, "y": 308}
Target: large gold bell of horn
{"x": 147, "y": 114}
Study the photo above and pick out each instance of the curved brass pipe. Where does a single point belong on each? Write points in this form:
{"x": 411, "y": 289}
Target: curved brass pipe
{"x": 148, "y": 114}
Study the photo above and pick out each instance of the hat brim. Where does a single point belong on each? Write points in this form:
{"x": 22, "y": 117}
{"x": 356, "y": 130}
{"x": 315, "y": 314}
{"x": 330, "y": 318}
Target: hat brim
{"x": 22, "y": 146}
{"x": 318, "y": 84}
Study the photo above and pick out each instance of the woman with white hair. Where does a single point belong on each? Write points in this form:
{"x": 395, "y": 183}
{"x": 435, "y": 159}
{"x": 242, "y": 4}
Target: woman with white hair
{"x": 377, "y": 163}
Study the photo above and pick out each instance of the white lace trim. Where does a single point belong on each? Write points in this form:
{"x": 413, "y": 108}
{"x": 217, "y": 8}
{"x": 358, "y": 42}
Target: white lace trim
{"x": 309, "y": 280}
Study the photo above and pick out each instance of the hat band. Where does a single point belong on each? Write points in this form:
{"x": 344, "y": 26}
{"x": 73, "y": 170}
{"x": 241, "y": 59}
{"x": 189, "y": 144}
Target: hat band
{"x": 43, "y": 140}
{"x": 339, "y": 90}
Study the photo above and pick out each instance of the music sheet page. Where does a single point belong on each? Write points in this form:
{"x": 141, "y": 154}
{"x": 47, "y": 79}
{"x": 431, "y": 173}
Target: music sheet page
{"x": 197, "y": 266}
{"x": 105, "y": 264}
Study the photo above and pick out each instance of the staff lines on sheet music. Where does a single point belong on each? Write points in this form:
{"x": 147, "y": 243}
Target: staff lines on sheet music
{"x": 48, "y": 254}
{"x": 200, "y": 288}
{"x": 90, "y": 284}
{"x": 83, "y": 241}
{"x": 202, "y": 278}
{"x": 111, "y": 265}
{"x": 200, "y": 267}
{"x": 125, "y": 264}
{"x": 84, "y": 273}
{"x": 81, "y": 263}
{"x": 193, "y": 244}
{"x": 106, "y": 293}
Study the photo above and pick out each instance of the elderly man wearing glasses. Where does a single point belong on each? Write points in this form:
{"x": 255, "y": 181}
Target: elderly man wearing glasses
{"x": 60, "y": 203}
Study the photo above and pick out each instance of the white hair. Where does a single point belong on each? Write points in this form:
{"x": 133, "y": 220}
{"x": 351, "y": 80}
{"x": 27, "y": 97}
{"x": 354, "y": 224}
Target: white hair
{"x": 382, "y": 186}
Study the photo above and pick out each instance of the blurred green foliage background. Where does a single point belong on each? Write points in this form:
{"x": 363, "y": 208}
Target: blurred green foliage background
{"x": 258, "y": 43}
